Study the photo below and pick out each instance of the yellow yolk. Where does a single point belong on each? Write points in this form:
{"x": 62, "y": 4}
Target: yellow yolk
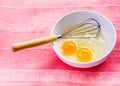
{"x": 68, "y": 47}
{"x": 84, "y": 55}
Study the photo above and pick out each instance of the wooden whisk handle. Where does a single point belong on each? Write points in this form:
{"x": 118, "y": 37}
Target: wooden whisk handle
{"x": 33, "y": 43}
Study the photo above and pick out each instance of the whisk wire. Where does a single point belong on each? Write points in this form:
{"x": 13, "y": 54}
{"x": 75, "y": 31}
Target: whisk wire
{"x": 81, "y": 30}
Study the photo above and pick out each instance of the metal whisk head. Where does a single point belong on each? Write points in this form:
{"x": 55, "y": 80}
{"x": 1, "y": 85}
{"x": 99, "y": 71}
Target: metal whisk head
{"x": 90, "y": 28}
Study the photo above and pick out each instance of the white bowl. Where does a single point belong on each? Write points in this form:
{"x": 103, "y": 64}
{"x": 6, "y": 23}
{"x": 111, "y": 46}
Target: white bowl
{"x": 74, "y": 18}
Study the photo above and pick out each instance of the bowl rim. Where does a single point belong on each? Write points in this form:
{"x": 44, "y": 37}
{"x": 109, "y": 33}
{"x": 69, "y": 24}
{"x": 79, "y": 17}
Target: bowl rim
{"x": 88, "y": 11}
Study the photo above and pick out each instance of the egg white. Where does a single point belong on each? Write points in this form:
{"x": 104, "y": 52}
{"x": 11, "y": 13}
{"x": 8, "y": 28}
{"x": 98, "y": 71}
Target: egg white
{"x": 97, "y": 46}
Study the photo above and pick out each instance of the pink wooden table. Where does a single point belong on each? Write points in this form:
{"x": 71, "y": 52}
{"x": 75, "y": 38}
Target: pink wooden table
{"x": 27, "y": 19}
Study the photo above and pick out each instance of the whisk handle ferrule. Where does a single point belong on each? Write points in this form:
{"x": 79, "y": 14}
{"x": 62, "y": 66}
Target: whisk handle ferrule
{"x": 59, "y": 36}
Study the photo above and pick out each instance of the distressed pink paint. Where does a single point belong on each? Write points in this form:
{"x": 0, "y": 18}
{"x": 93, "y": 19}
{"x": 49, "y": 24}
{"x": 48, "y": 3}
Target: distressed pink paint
{"x": 22, "y": 20}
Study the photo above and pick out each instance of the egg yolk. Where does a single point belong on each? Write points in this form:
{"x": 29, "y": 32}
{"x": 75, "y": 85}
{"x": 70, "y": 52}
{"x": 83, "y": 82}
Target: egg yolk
{"x": 68, "y": 47}
{"x": 84, "y": 54}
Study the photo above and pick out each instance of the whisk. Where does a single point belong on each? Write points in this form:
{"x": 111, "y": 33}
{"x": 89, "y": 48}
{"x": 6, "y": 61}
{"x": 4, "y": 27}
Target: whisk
{"x": 89, "y": 28}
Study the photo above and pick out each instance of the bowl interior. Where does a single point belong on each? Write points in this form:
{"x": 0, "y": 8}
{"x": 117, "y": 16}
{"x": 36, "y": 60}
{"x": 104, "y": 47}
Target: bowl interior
{"x": 74, "y": 18}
